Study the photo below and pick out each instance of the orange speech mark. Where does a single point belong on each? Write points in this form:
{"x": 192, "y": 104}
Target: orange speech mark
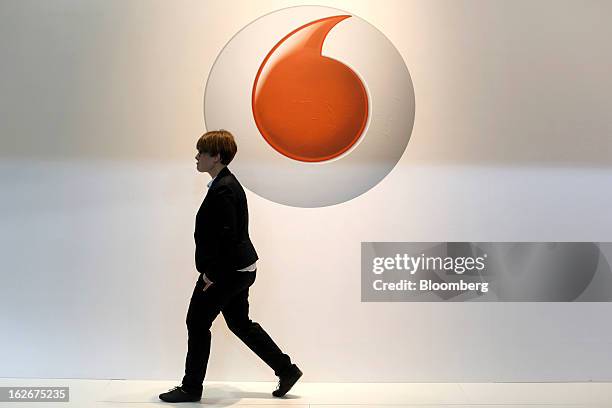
{"x": 306, "y": 106}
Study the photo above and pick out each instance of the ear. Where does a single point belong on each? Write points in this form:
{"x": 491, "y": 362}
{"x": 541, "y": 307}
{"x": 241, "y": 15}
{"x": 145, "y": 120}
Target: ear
{"x": 217, "y": 157}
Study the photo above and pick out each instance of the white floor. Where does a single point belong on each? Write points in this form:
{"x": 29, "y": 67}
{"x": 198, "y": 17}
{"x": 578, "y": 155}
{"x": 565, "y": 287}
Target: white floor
{"x": 122, "y": 393}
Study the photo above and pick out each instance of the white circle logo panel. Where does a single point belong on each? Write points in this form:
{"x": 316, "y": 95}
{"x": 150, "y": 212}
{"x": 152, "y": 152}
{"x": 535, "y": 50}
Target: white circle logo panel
{"x": 320, "y": 102}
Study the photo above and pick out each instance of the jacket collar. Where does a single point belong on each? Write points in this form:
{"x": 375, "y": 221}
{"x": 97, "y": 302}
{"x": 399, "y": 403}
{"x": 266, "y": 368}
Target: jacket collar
{"x": 224, "y": 172}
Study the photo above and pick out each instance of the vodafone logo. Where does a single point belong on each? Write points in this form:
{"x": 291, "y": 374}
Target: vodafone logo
{"x": 307, "y": 106}
{"x": 320, "y": 102}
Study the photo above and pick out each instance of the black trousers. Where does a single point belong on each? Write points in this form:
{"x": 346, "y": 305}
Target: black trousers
{"x": 228, "y": 295}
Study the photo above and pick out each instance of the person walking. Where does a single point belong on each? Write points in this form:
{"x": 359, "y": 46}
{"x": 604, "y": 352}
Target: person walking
{"x": 227, "y": 262}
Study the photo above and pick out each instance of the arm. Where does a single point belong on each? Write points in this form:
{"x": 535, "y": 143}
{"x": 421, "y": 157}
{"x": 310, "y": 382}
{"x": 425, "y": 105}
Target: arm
{"x": 220, "y": 231}
{"x": 226, "y": 209}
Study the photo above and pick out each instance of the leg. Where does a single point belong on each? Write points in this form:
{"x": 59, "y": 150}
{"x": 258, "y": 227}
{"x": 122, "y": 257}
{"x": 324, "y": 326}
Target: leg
{"x": 236, "y": 314}
{"x": 204, "y": 307}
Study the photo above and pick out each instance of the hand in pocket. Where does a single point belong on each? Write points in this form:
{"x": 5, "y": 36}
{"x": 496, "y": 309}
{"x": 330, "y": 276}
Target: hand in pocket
{"x": 207, "y": 283}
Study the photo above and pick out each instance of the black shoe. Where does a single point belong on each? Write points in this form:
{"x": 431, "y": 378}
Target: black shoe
{"x": 178, "y": 394}
{"x": 287, "y": 380}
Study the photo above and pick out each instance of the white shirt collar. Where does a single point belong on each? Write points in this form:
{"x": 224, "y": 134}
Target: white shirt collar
{"x": 210, "y": 182}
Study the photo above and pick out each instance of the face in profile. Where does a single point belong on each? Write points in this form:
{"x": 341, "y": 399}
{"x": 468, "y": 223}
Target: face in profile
{"x": 205, "y": 162}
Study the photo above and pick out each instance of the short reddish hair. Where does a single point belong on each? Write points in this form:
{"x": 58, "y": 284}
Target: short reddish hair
{"x": 218, "y": 142}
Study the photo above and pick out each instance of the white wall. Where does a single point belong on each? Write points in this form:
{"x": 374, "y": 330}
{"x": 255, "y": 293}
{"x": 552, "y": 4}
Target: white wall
{"x": 101, "y": 104}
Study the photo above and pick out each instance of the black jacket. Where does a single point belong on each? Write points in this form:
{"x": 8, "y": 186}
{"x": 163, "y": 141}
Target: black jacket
{"x": 222, "y": 229}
